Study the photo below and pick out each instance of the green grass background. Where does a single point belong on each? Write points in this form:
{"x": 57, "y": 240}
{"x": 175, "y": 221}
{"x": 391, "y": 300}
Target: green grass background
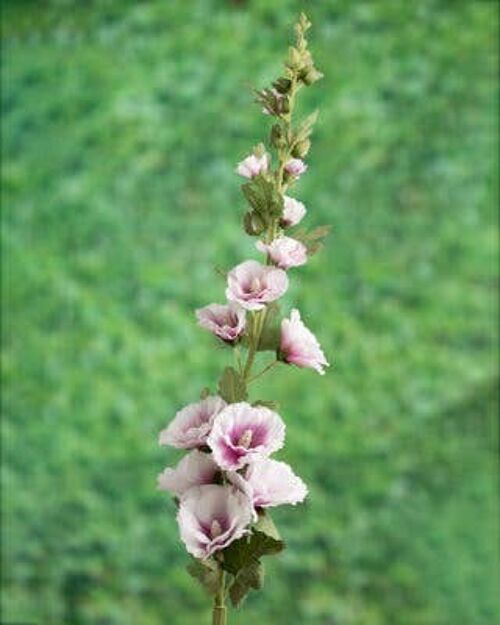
{"x": 122, "y": 125}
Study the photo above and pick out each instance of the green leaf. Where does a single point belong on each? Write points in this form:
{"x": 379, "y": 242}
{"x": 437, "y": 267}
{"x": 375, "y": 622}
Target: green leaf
{"x": 232, "y": 387}
{"x": 313, "y": 240}
{"x": 252, "y": 576}
{"x": 269, "y": 538}
{"x": 263, "y": 197}
{"x": 205, "y": 572}
{"x": 263, "y": 541}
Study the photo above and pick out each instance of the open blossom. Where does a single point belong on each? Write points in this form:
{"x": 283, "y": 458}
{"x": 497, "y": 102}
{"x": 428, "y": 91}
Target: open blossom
{"x": 284, "y": 252}
{"x": 293, "y": 212}
{"x": 295, "y": 167}
{"x": 242, "y": 433}
{"x": 253, "y": 285}
{"x": 227, "y": 321}
{"x": 192, "y": 425}
{"x": 271, "y": 483}
{"x": 211, "y": 517}
{"x": 299, "y": 346}
{"x": 253, "y": 165}
{"x": 195, "y": 468}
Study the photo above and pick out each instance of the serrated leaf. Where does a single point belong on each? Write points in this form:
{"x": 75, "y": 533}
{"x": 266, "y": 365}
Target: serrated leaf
{"x": 264, "y": 540}
{"x": 205, "y": 573}
{"x": 251, "y": 576}
{"x": 312, "y": 239}
{"x": 232, "y": 387}
{"x": 266, "y": 527}
{"x": 263, "y": 197}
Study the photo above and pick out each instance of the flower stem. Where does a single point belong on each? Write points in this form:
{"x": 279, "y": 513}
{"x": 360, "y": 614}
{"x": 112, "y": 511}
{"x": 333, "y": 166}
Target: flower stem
{"x": 219, "y": 614}
{"x": 266, "y": 368}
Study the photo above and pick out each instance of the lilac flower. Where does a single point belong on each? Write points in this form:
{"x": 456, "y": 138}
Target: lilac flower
{"x": 284, "y": 252}
{"x": 295, "y": 167}
{"x": 227, "y": 321}
{"x": 253, "y": 285}
{"x": 253, "y": 165}
{"x": 241, "y": 433}
{"x": 299, "y": 346}
{"x": 211, "y": 517}
{"x": 270, "y": 483}
{"x": 293, "y": 212}
{"x": 191, "y": 425}
{"x": 195, "y": 468}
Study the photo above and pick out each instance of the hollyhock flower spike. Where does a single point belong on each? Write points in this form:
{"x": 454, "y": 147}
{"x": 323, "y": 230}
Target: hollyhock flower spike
{"x": 271, "y": 483}
{"x": 299, "y": 346}
{"x": 241, "y": 433}
{"x": 253, "y": 165}
{"x": 226, "y": 321}
{"x": 195, "y": 469}
{"x": 284, "y": 252}
{"x": 192, "y": 425}
{"x": 227, "y": 483}
{"x": 211, "y": 517}
{"x": 293, "y": 212}
{"x": 295, "y": 167}
{"x": 253, "y": 285}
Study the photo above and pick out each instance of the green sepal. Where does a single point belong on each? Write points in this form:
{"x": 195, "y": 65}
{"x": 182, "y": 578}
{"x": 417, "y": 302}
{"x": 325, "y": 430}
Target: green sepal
{"x": 232, "y": 387}
{"x": 206, "y": 574}
{"x": 267, "y": 403}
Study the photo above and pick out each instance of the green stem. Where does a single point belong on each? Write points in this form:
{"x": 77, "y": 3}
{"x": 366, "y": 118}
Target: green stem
{"x": 266, "y": 368}
{"x": 220, "y": 611}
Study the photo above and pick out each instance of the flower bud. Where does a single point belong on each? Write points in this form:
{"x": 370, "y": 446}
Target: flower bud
{"x": 282, "y": 85}
{"x": 277, "y": 138}
{"x": 301, "y": 148}
{"x": 310, "y": 75}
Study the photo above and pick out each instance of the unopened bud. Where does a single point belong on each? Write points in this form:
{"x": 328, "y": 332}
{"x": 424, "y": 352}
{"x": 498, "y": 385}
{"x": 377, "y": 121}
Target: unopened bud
{"x": 301, "y": 148}
{"x": 253, "y": 224}
{"x": 282, "y": 85}
{"x": 277, "y": 138}
{"x": 310, "y": 76}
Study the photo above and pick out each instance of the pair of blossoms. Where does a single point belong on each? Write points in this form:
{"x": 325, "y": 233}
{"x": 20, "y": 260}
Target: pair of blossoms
{"x": 228, "y": 475}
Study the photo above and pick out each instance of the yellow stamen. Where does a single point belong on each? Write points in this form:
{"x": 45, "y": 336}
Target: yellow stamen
{"x": 246, "y": 439}
{"x": 215, "y": 529}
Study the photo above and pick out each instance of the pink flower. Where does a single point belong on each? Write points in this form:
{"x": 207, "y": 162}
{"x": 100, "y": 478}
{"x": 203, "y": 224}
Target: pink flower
{"x": 211, "y": 517}
{"x": 227, "y": 321}
{"x": 295, "y": 167}
{"x": 271, "y": 483}
{"x": 252, "y": 285}
{"x": 299, "y": 346}
{"x": 293, "y": 212}
{"x": 191, "y": 425}
{"x": 195, "y": 469}
{"x": 284, "y": 252}
{"x": 241, "y": 433}
{"x": 253, "y": 165}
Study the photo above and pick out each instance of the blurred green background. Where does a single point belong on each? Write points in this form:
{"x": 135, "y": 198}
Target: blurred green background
{"x": 122, "y": 125}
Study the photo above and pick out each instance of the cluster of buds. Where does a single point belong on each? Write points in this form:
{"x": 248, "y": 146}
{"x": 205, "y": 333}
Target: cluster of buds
{"x": 226, "y": 483}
